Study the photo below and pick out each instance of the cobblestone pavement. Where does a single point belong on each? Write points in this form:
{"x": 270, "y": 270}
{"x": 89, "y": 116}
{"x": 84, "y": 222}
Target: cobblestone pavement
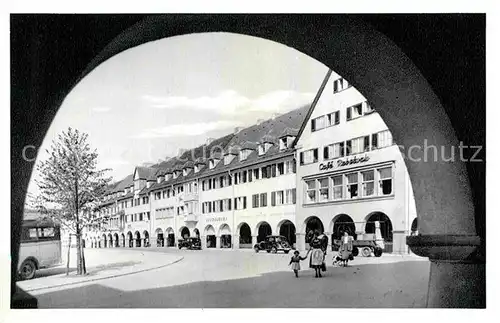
{"x": 230, "y": 278}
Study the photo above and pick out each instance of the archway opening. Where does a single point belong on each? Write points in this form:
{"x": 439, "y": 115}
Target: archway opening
{"x": 130, "y": 239}
{"x": 342, "y": 223}
{"x": 137, "y": 239}
{"x": 414, "y": 227}
{"x": 160, "y": 240}
{"x": 185, "y": 233}
{"x": 263, "y": 231}
{"x": 146, "y": 238}
{"x": 196, "y": 233}
{"x": 385, "y": 228}
{"x": 110, "y": 240}
{"x": 287, "y": 229}
{"x": 225, "y": 236}
{"x": 116, "y": 240}
{"x": 210, "y": 236}
{"x": 104, "y": 241}
{"x": 170, "y": 237}
{"x": 245, "y": 236}
{"x": 123, "y": 240}
{"x": 313, "y": 224}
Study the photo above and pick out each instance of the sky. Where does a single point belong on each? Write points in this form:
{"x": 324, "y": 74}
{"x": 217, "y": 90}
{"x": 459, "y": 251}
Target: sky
{"x": 146, "y": 103}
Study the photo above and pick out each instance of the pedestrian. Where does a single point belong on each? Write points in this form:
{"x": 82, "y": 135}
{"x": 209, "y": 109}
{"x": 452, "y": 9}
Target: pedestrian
{"x": 295, "y": 261}
{"x": 318, "y": 248}
{"x": 345, "y": 249}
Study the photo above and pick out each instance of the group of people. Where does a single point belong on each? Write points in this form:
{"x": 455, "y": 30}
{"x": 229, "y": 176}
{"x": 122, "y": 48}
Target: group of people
{"x": 318, "y": 244}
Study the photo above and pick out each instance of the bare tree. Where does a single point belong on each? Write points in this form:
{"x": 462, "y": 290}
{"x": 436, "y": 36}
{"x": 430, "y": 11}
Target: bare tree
{"x": 71, "y": 186}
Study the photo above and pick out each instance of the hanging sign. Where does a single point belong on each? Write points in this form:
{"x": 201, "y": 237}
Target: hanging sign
{"x": 343, "y": 162}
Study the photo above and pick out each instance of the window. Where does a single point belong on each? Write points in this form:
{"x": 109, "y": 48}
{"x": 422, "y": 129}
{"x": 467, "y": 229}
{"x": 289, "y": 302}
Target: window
{"x": 337, "y": 187}
{"x": 385, "y": 181}
{"x": 261, "y": 150}
{"x": 309, "y": 156}
{"x": 318, "y": 123}
{"x": 368, "y": 108}
{"x": 244, "y": 154}
{"x": 263, "y": 199}
{"x": 290, "y": 196}
{"x": 283, "y": 143}
{"x": 265, "y": 173}
{"x": 244, "y": 176}
{"x": 356, "y": 145}
{"x": 311, "y": 191}
{"x": 381, "y": 139}
{"x": 368, "y": 183}
{"x": 280, "y": 198}
{"x": 352, "y": 185}
{"x": 333, "y": 151}
{"x": 323, "y": 190}
{"x": 289, "y": 166}
{"x": 280, "y": 168}
{"x": 333, "y": 118}
{"x": 46, "y": 233}
{"x": 340, "y": 85}
{"x": 256, "y": 173}
{"x": 255, "y": 200}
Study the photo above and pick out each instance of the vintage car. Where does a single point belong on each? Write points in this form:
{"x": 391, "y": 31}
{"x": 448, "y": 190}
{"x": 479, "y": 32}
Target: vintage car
{"x": 190, "y": 243}
{"x": 273, "y": 244}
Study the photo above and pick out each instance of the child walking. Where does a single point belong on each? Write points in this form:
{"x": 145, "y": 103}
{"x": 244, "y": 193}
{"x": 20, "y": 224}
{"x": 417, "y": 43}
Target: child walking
{"x": 295, "y": 261}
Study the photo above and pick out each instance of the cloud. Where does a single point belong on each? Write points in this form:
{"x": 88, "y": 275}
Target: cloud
{"x": 232, "y": 103}
{"x": 187, "y": 129}
{"x": 227, "y": 102}
{"x": 101, "y": 109}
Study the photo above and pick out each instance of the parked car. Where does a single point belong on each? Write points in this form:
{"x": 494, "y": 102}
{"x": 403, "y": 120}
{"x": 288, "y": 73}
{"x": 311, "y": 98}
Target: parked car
{"x": 190, "y": 243}
{"x": 273, "y": 244}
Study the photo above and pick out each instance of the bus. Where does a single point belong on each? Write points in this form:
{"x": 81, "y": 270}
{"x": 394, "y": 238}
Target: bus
{"x": 40, "y": 247}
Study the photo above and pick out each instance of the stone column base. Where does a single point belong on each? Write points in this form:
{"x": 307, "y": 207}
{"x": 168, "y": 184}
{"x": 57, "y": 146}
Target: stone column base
{"x": 457, "y": 279}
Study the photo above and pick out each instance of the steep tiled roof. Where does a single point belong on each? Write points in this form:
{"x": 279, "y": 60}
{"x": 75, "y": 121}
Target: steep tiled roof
{"x": 249, "y": 145}
{"x": 200, "y": 161}
{"x": 188, "y": 164}
{"x": 146, "y": 172}
{"x": 289, "y": 132}
{"x": 266, "y": 131}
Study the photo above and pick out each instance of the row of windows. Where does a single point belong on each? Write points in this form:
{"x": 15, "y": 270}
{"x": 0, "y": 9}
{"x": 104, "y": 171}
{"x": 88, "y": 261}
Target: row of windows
{"x": 368, "y": 183}
{"x": 165, "y": 212}
{"x": 39, "y": 234}
{"x": 269, "y": 171}
{"x": 333, "y": 118}
{"x": 137, "y": 217}
{"x": 349, "y": 147}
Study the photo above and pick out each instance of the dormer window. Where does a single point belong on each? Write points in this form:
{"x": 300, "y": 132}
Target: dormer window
{"x": 176, "y": 174}
{"x": 213, "y": 163}
{"x": 262, "y": 149}
{"x": 160, "y": 178}
{"x": 228, "y": 159}
{"x": 168, "y": 176}
{"x": 244, "y": 153}
{"x": 196, "y": 168}
{"x": 284, "y": 143}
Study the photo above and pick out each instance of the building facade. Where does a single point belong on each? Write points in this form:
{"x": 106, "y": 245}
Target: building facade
{"x": 331, "y": 166}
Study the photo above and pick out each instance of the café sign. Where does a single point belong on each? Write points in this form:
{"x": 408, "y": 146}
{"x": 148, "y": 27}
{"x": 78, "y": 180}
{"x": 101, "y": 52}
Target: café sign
{"x": 343, "y": 162}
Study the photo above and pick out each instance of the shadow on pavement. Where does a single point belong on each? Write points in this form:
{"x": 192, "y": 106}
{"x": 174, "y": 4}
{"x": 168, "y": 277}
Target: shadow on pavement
{"x": 90, "y": 270}
{"x": 399, "y": 285}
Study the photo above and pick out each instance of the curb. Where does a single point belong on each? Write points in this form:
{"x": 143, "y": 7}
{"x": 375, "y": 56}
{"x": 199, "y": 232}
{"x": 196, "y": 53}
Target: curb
{"x": 107, "y": 277}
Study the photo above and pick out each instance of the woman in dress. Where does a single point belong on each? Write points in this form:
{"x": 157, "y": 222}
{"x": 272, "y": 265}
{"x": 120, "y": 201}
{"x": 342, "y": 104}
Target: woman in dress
{"x": 318, "y": 251}
{"x": 345, "y": 248}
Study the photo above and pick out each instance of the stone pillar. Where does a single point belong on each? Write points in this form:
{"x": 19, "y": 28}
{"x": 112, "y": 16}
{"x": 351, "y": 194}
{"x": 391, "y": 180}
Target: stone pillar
{"x": 399, "y": 241}
{"x": 203, "y": 242}
{"x": 236, "y": 241}
{"x": 379, "y": 240}
{"x": 301, "y": 241}
{"x": 254, "y": 241}
{"x": 217, "y": 242}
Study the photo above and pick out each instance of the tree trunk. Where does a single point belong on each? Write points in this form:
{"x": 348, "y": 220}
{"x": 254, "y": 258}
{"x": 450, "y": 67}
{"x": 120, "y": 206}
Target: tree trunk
{"x": 84, "y": 268}
{"x": 78, "y": 254}
{"x": 69, "y": 249}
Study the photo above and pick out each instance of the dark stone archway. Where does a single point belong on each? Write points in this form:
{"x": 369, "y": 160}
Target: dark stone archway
{"x": 400, "y": 86}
